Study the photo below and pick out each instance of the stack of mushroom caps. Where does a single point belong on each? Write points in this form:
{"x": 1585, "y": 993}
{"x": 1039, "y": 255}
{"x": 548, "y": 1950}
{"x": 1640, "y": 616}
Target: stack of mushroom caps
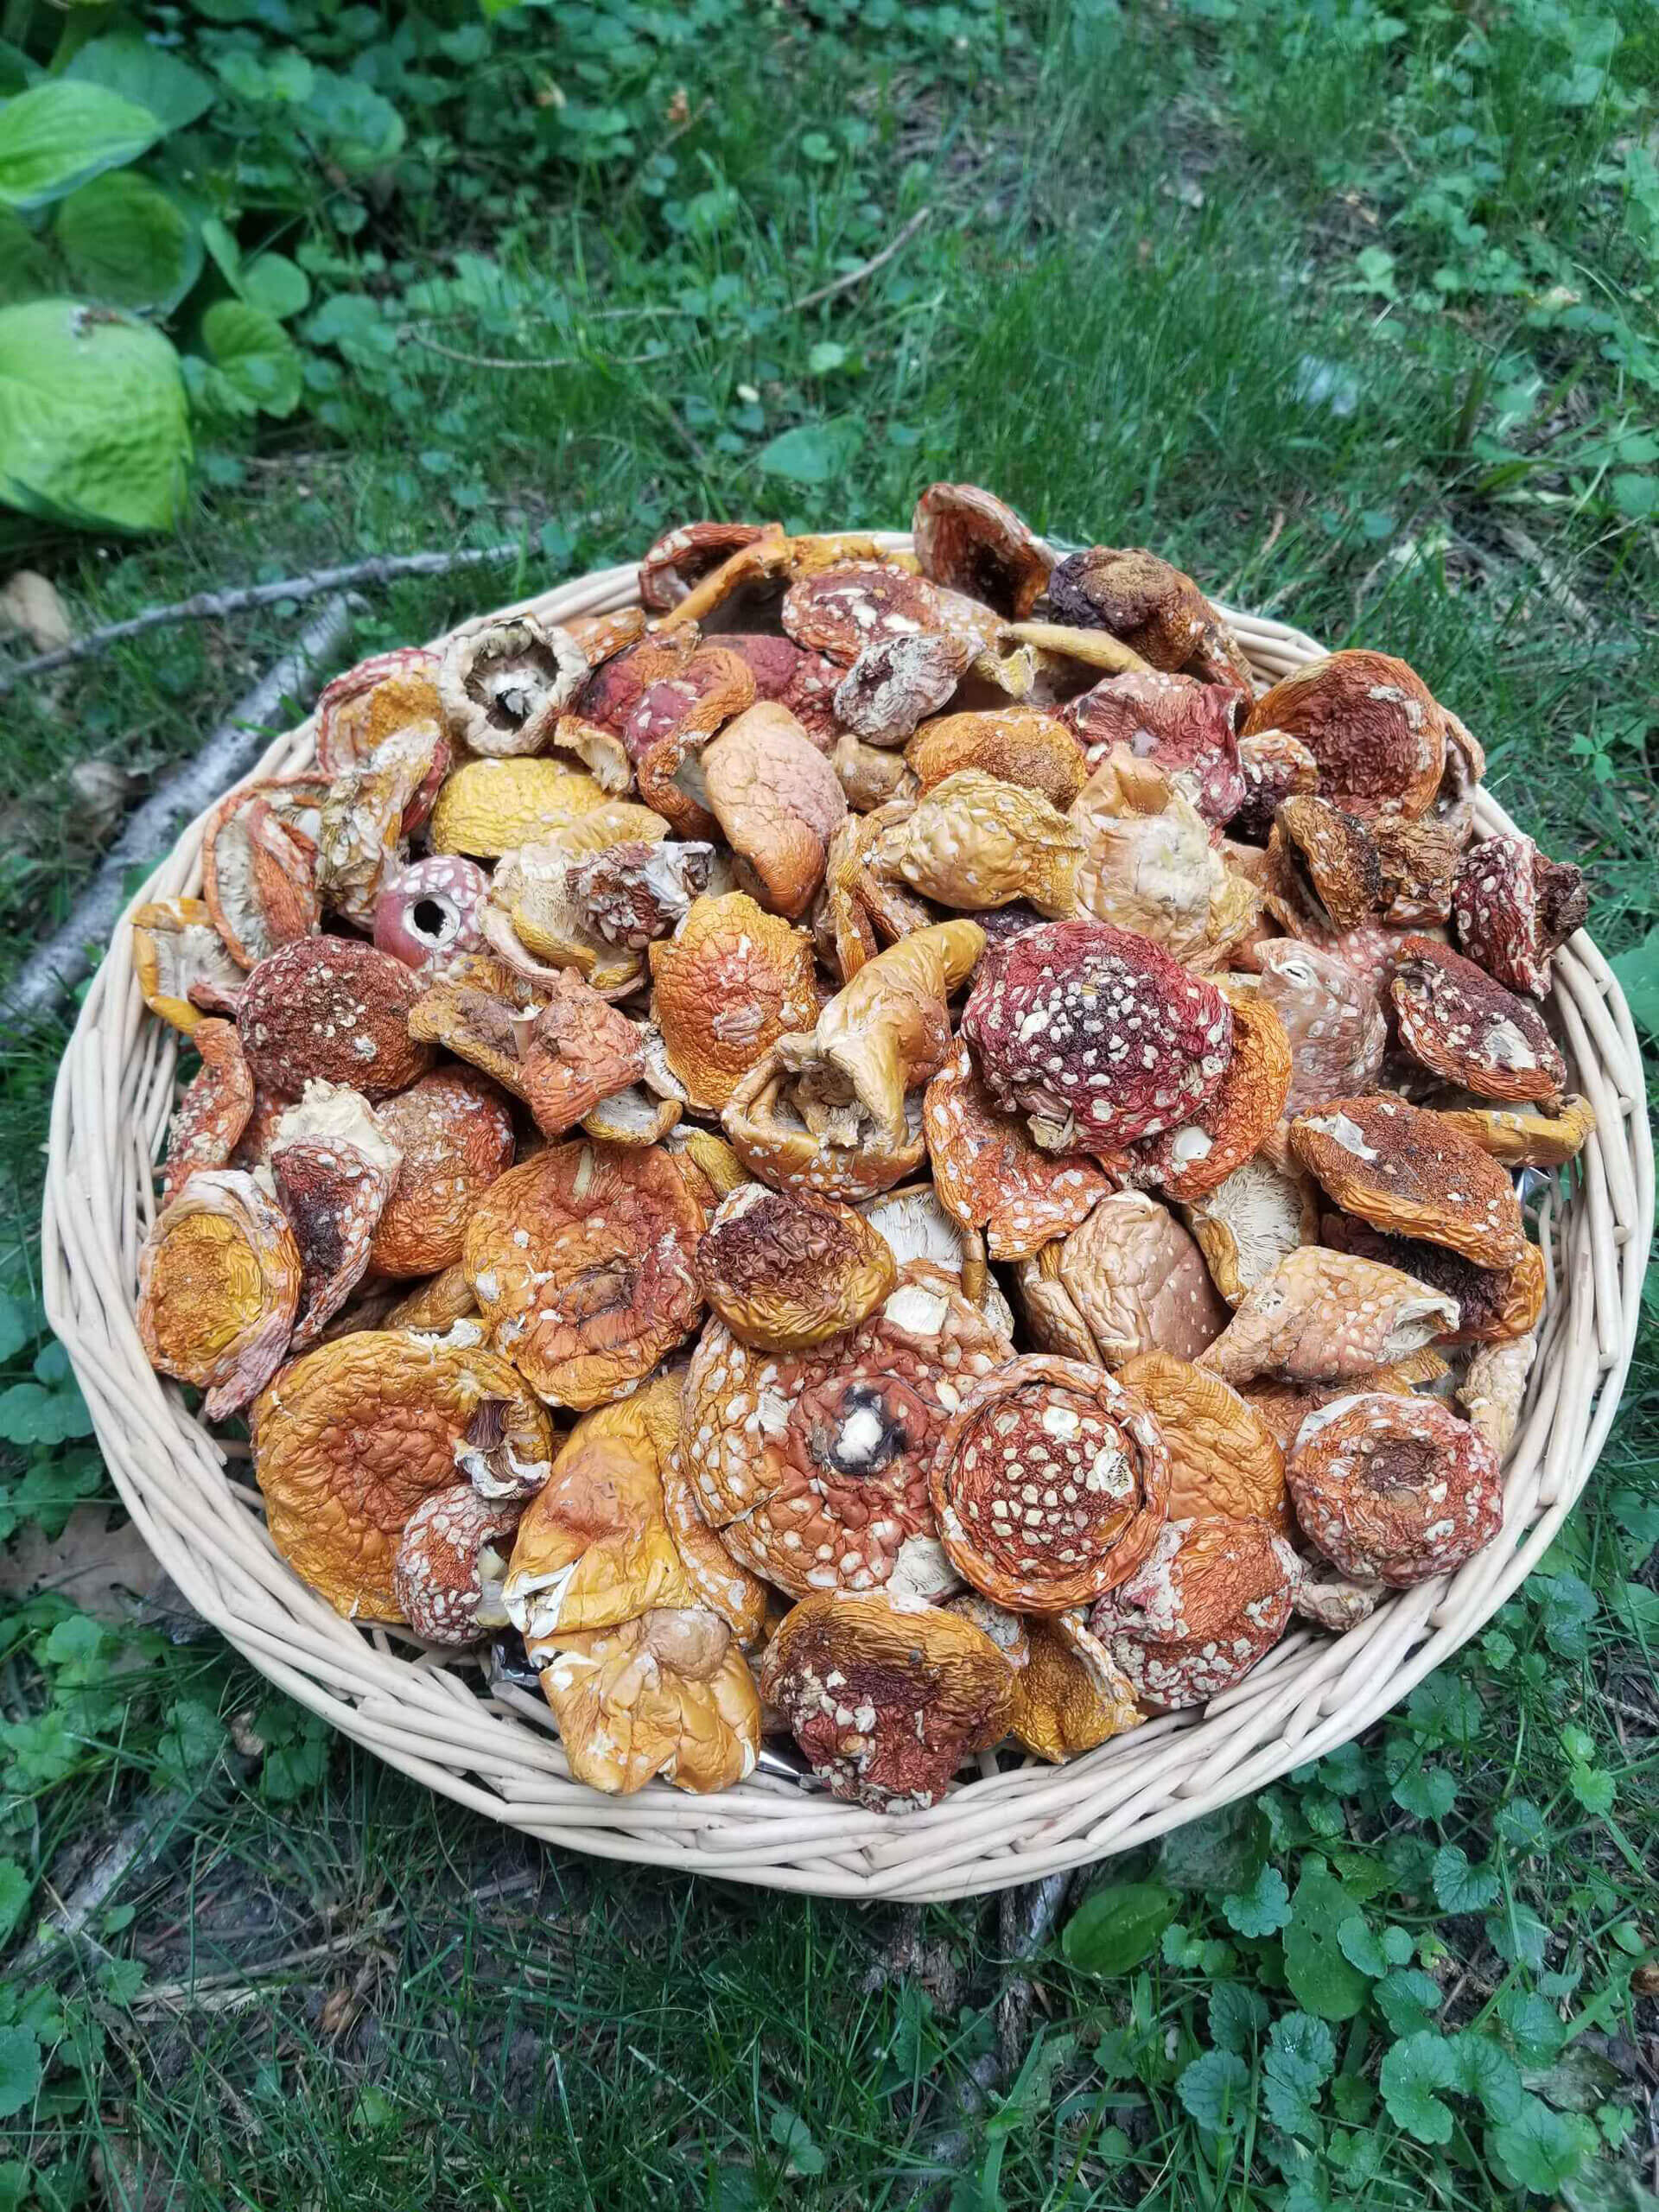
{"x": 874, "y": 1147}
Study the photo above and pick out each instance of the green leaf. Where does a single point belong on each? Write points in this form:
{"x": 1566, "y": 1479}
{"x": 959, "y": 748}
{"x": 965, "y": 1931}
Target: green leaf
{"x": 29, "y": 1415}
{"x": 191, "y": 1742}
{"x": 1300, "y": 2055}
{"x": 1117, "y": 1928}
{"x": 825, "y": 356}
{"x": 1428, "y": 1792}
{"x": 1263, "y": 1909}
{"x": 1460, "y": 1887}
{"x": 1408, "y": 1999}
{"x": 1486, "y": 2071}
{"x": 1635, "y": 494}
{"x": 125, "y": 241}
{"x": 1237, "y": 2014}
{"x": 1535, "y": 2027}
{"x": 1412, "y": 2071}
{"x": 1637, "y": 971}
{"x": 363, "y": 130}
{"x": 26, "y": 267}
{"x": 20, "y": 2068}
{"x": 256, "y": 354}
{"x": 127, "y": 62}
{"x": 57, "y": 135}
{"x": 1360, "y": 1947}
{"x": 1540, "y": 2149}
{"x": 93, "y": 428}
{"x": 1320, "y": 1978}
{"x": 813, "y": 453}
{"x": 275, "y": 284}
{"x": 1214, "y": 2088}
{"x": 1520, "y": 1825}
{"x": 794, "y": 2138}
{"x": 15, "y": 1889}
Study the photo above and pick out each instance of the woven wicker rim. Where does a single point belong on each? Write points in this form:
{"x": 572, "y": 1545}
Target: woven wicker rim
{"x": 433, "y": 1720}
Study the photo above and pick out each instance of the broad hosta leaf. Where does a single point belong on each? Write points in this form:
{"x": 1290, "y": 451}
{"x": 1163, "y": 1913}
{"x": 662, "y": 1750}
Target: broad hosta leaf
{"x": 123, "y": 241}
{"x": 93, "y": 430}
{"x": 1320, "y": 1977}
{"x": 1118, "y": 1927}
{"x": 26, "y": 269}
{"x": 56, "y": 136}
{"x": 126, "y": 62}
{"x": 256, "y": 354}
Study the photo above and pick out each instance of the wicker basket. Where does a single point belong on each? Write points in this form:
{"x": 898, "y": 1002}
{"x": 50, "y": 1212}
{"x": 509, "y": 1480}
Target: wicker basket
{"x": 440, "y": 1721}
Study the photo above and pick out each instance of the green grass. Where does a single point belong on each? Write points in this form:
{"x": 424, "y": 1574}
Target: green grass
{"x": 1162, "y": 244}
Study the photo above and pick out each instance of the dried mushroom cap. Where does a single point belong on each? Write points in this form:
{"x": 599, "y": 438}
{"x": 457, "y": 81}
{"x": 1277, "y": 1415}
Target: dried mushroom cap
{"x": 1372, "y": 724}
{"x": 1282, "y": 1407}
{"x": 1275, "y": 767}
{"x": 1338, "y": 854}
{"x": 1462, "y": 1027}
{"x": 803, "y": 682}
{"x": 897, "y": 681}
{"x": 1494, "y": 1304}
{"x": 490, "y": 807}
{"x": 1330, "y": 1016}
{"x": 1515, "y": 908}
{"x": 1399, "y": 1168}
{"x": 887, "y": 1700}
{"x": 351, "y": 1437}
{"x": 719, "y": 1581}
{"x": 777, "y": 802}
{"x": 731, "y": 981}
{"x": 1394, "y": 1490}
{"x": 1222, "y": 1457}
{"x": 219, "y": 1284}
{"x": 1522, "y": 1138}
{"x": 1148, "y": 864}
{"x": 1188, "y": 727}
{"x": 916, "y": 1227}
{"x": 454, "y": 1129}
{"x": 1212, "y": 1601}
{"x": 578, "y": 1051}
{"x": 257, "y": 876}
{"x": 639, "y": 889}
{"x": 1096, "y": 1028}
{"x": 1156, "y": 610}
{"x": 785, "y": 1270}
{"x": 1231, "y": 1125}
{"x": 177, "y": 949}
{"x": 973, "y": 840}
{"x": 1017, "y": 745}
{"x": 671, "y": 723}
{"x": 1049, "y": 1485}
{"x": 990, "y": 1174}
{"x": 773, "y": 1133}
{"x": 1070, "y": 1695}
{"x": 359, "y": 710}
{"x": 503, "y": 684}
{"x": 1260, "y": 1215}
{"x": 1139, "y": 1282}
{"x": 968, "y": 540}
{"x": 1323, "y": 1316}
{"x": 842, "y": 609}
{"x": 431, "y": 912}
{"x": 868, "y": 777}
{"x": 581, "y": 1259}
{"x": 683, "y": 557}
{"x": 451, "y": 1562}
{"x": 208, "y": 1123}
{"x": 361, "y": 847}
{"x": 334, "y": 1008}
{"x": 668, "y": 1695}
{"x": 1418, "y": 861}
{"x": 1493, "y": 1387}
{"x": 435, "y": 1303}
{"x": 334, "y": 1168}
{"x": 813, "y": 1466}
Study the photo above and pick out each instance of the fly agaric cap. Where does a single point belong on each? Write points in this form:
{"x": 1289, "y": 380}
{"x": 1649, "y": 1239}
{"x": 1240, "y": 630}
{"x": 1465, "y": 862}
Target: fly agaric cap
{"x": 729, "y": 982}
{"x": 258, "y": 875}
{"x": 219, "y": 1286}
{"x": 771, "y": 1128}
{"x": 1372, "y": 724}
{"x": 358, "y": 711}
{"x": 488, "y": 807}
{"x": 1230, "y": 1126}
{"x": 969, "y": 540}
{"x": 990, "y": 1174}
{"x": 176, "y": 950}
{"x": 600, "y": 638}
{"x": 1016, "y": 745}
{"x": 208, "y": 1123}
{"x": 435, "y": 1302}
{"x": 1213, "y": 1599}
{"x": 1276, "y": 767}
{"x": 1494, "y": 1304}
{"x": 1323, "y": 1316}
{"x": 1456, "y": 1021}
{"x": 897, "y": 681}
{"x": 886, "y": 1698}
{"x": 333, "y": 1008}
{"x": 1154, "y": 609}
{"x": 667, "y": 1695}
{"x": 1521, "y": 1136}
{"x": 1331, "y": 1017}
{"x": 1049, "y": 1485}
{"x": 1262, "y": 1213}
{"x": 1418, "y": 861}
{"x": 1148, "y": 864}
{"x": 450, "y": 1563}
{"x": 1282, "y": 1407}
{"x": 722, "y": 1583}
{"x": 1493, "y": 1387}
{"x": 1222, "y": 1457}
{"x": 785, "y": 1270}
{"x": 430, "y": 912}
{"x": 1399, "y": 1168}
{"x": 671, "y": 726}
{"x": 777, "y": 802}
{"x": 803, "y": 682}
{"x": 684, "y": 556}
{"x": 351, "y": 1437}
{"x": 639, "y": 889}
{"x": 812, "y": 1467}
{"x": 1096, "y": 1028}
{"x": 360, "y": 837}
{"x": 1515, "y": 908}
{"x": 1139, "y": 1282}
{"x": 582, "y": 1259}
{"x": 504, "y": 683}
{"x": 842, "y": 609}
{"x": 1070, "y": 1694}
{"x": 454, "y": 1129}
{"x": 1188, "y": 727}
{"x": 868, "y": 777}
{"x": 973, "y": 840}
{"x": 334, "y": 1167}
{"x": 744, "y": 588}
{"x": 1337, "y": 854}
{"x": 1394, "y": 1490}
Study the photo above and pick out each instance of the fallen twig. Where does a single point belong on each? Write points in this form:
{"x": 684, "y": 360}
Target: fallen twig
{"x": 144, "y": 1835}
{"x": 520, "y": 361}
{"x": 865, "y": 268}
{"x": 207, "y": 606}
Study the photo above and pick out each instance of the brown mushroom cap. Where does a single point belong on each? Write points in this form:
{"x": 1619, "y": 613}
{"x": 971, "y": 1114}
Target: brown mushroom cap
{"x": 258, "y": 875}
{"x": 843, "y": 608}
{"x": 729, "y": 982}
{"x": 1156, "y": 610}
{"x": 349, "y": 1439}
{"x": 1467, "y": 1029}
{"x": 896, "y": 681}
{"x": 1493, "y": 1304}
{"x": 454, "y": 1129}
{"x": 334, "y": 1167}
{"x": 887, "y": 1700}
{"x": 1148, "y": 864}
{"x": 666, "y": 1694}
{"x": 1212, "y": 1599}
{"x": 1323, "y": 1315}
{"x": 722, "y": 1583}
{"x": 1017, "y": 745}
{"x": 1070, "y": 1696}
{"x": 1138, "y": 1280}
{"x": 1372, "y": 724}
{"x": 776, "y": 800}
{"x": 785, "y": 1270}
{"x": 990, "y": 1174}
{"x": 1282, "y": 1407}
{"x": 1400, "y": 1168}
{"x": 968, "y": 540}
{"x": 219, "y": 1286}
{"x": 1185, "y": 727}
{"x": 208, "y": 1123}
{"x": 1396, "y": 1489}
{"x": 1274, "y": 765}
{"x": 1049, "y": 1485}
{"x": 370, "y": 702}
{"x": 975, "y": 842}
{"x": 1222, "y": 1458}
{"x": 1230, "y": 1125}
{"x": 1331, "y": 1017}
{"x": 436, "y": 1302}
{"x": 1515, "y": 908}
{"x": 683, "y": 556}
{"x": 451, "y": 1562}
{"x": 334, "y": 1008}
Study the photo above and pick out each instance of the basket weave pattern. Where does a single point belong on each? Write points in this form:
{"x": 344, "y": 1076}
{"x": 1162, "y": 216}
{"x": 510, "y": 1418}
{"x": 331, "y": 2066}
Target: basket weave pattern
{"x": 433, "y": 1718}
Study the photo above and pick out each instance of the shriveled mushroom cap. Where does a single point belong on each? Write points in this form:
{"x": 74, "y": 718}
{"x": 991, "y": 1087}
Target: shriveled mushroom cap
{"x": 886, "y": 1700}
{"x": 219, "y": 1286}
{"x": 1519, "y": 1136}
{"x": 1323, "y": 1315}
{"x": 1468, "y": 1030}
{"x": 785, "y": 1270}
{"x": 490, "y": 807}
{"x": 1282, "y": 1407}
{"x": 1492, "y": 1388}
{"x": 358, "y": 710}
{"x": 684, "y": 556}
{"x": 1148, "y": 864}
{"x": 1398, "y": 1489}
{"x": 1071, "y": 1694}
{"x": 967, "y": 539}
{"x": 718, "y": 1581}
{"x": 208, "y": 1123}
{"x": 975, "y": 841}
{"x": 335, "y": 1008}
{"x": 334, "y": 1167}
{"x": 1400, "y": 1168}
{"x": 666, "y": 1694}
{"x": 258, "y": 874}
{"x": 451, "y": 1562}
{"x": 1138, "y": 598}
{"x": 1233, "y": 1122}
{"x": 1184, "y": 725}
{"x": 176, "y": 949}
{"x": 776, "y": 800}
{"x": 1138, "y": 1281}
{"x": 454, "y": 1129}
{"x": 1222, "y": 1457}
{"x": 990, "y": 1175}
{"x": 729, "y": 982}
{"x": 1018, "y": 745}
{"x": 1259, "y": 1215}
{"x": 1371, "y": 723}
{"x": 1515, "y": 908}
{"x": 1493, "y": 1303}
{"x": 1212, "y": 1599}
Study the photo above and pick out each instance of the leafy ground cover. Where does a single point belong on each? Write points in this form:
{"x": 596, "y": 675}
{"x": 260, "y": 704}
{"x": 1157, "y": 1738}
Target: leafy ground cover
{"x": 1351, "y": 310}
